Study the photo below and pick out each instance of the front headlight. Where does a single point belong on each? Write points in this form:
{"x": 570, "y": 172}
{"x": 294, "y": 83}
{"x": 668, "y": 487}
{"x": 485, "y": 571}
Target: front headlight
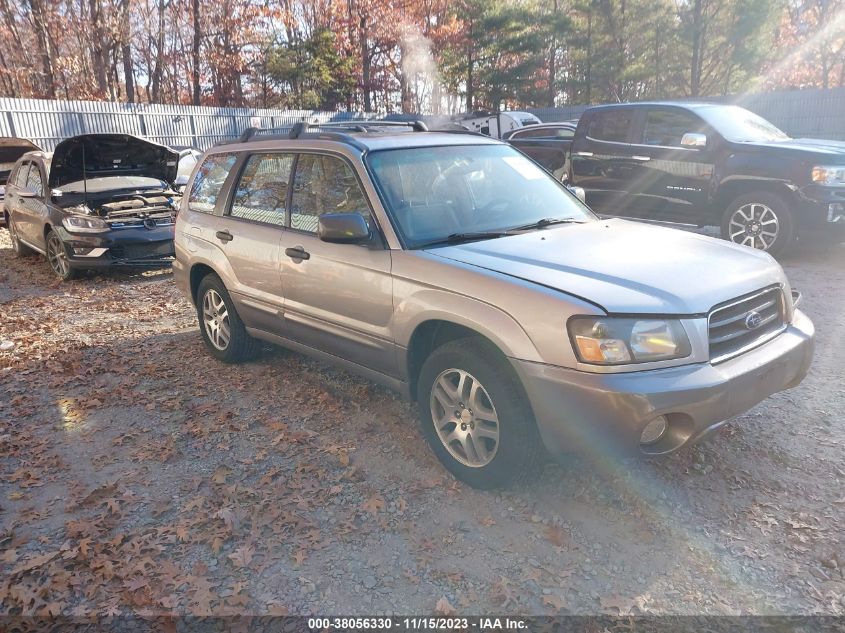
{"x": 619, "y": 341}
{"x": 85, "y": 224}
{"x": 829, "y": 174}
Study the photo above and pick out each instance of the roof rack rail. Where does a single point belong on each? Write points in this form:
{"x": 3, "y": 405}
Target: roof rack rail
{"x": 337, "y": 130}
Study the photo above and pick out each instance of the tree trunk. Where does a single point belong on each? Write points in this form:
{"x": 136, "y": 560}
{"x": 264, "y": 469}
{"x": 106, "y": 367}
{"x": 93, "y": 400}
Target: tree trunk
{"x": 589, "y": 74}
{"x": 552, "y": 63}
{"x": 126, "y": 52}
{"x": 40, "y": 20}
{"x": 470, "y": 69}
{"x": 99, "y": 48}
{"x": 366, "y": 68}
{"x": 195, "y": 54}
{"x": 697, "y": 40}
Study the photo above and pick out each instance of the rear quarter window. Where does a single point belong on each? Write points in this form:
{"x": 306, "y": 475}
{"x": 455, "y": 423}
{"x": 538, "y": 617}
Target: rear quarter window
{"x": 612, "y": 125}
{"x": 208, "y": 182}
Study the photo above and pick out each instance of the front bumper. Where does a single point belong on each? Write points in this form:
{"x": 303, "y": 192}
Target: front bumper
{"x": 134, "y": 247}
{"x": 821, "y": 208}
{"x": 606, "y": 413}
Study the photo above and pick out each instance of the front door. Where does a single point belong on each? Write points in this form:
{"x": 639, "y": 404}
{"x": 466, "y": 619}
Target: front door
{"x": 338, "y": 297}
{"x": 672, "y": 179}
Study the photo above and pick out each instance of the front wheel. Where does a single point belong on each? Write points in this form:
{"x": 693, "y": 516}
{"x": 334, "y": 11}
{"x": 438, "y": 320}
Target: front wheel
{"x": 58, "y": 259}
{"x": 475, "y": 415}
{"x": 760, "y": 220}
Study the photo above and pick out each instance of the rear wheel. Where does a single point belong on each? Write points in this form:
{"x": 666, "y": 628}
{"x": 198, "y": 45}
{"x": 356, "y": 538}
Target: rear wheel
{"x": 21, "y": 249}
{"x": 760, "y": 220}
{"x": 220, "y": 325}
{"x": 58, "y": 259}
{"x": 476, "y": 417}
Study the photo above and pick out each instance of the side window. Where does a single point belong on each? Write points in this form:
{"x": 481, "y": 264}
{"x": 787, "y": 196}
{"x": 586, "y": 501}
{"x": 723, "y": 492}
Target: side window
{"x": 564, "y": 132}
{"x": 324, "y": 184}
{"x": 262, "y": 191}
{"x": 21, "y": 175}
{"x": 667, "y": 127}
{"x": 611, "y": 125}
{"x": 33, "y": 180}
{"x": 209, "y": 181}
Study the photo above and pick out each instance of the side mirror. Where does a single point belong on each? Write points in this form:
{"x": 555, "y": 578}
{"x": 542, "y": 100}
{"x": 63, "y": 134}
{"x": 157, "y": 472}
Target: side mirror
{"x": 579, "y": 193}
{"x": 343, "y": 228}
{"x": 694, "y": 140}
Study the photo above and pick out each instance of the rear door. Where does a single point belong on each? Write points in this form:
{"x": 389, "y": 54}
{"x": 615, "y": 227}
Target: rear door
{"x": 16, "y": 182}
{"x": 338, "y": 297}
{"x": 31, "y": 210}
{"x": 604, "y": 162}
{"x": 249, "y": 234}
{"x": 671, "y": 180}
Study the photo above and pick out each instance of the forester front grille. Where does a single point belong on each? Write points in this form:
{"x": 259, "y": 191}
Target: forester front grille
{"x": 738, "y": 325}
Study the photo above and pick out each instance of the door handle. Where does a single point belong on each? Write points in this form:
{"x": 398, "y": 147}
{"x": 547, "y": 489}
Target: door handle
{"x": 297, "y": 252}
{"x": 224, "y": 236}
{"x": 641, "y": 158}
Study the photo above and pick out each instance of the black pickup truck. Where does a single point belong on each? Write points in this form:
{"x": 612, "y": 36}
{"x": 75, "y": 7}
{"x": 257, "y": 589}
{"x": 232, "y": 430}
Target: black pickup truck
{"x": 703, "y": 164}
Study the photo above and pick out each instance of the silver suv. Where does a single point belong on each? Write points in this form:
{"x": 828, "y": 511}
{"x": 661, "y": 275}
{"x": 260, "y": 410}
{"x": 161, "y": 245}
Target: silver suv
{"x": 455, "y": 270}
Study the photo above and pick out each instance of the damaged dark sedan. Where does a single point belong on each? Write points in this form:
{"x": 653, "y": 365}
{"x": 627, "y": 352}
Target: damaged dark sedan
{"x": 98, "y": 201}
{"x": 11, "y": 149}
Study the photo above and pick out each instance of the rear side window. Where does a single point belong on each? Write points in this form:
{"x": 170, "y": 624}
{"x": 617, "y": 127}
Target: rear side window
{"x": 21, "y": 175}
{"x": 262, "y": 191}
{"x": 556, "y": 132}
{"x": 667, "y": 127}
{"x": 33, "y": 180}
{"x": 209, "y": 181}
{"x": 611, "y": 125}
{"x": 324, "y": 184}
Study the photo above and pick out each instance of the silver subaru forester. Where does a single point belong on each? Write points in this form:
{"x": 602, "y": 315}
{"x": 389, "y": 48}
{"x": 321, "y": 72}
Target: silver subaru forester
{"x": 452, "y": 268}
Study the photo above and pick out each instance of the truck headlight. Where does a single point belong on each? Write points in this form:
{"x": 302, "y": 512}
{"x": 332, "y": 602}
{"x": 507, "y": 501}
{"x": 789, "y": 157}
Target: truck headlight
{"x": 618, "y": 341}
{"x": 85, "y": 224}
{"x": 828, "y": 174}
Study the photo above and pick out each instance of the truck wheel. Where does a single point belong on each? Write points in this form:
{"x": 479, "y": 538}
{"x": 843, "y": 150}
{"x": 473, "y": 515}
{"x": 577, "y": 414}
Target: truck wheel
{"x": 476, "y": 417}
{"x": 220, "y": 325}
{"x": 58, "y": 259}
{"x": 760, "y": 220}
{"x": 21, "y": 249}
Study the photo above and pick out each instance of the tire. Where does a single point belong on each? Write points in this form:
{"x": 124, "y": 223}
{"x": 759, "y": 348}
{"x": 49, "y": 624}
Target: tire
{"x": 21, "y": 249}
{"x": 214, "y": 304}
{"x": 761, "y": 220}
{"x": 479, "y": 460}
{"x": 57, "y": 257}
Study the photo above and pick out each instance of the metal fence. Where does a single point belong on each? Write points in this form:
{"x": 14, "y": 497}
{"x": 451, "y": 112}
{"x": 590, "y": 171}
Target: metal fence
{"x": 799, "y": 113}
{"x": 47, "y": 122}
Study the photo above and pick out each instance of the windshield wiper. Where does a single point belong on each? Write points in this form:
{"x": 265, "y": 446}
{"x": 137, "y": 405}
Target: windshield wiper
{"x": 458, "y": 238}
{"x": 539, "y": 224}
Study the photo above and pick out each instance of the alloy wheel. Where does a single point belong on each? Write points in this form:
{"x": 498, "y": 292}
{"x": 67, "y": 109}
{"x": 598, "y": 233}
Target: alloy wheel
{"x": 215, "y": 318}
{"x": 464, "y": 418}
{"x": 57, "y": 256}
{"x": 755, "y": 225}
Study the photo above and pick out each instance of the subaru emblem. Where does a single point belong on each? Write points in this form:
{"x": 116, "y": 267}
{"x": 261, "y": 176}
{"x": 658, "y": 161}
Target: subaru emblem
{"x": 753, "y": 320}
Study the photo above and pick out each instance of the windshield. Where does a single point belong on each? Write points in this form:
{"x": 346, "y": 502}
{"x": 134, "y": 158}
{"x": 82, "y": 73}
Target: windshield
{"x": 108, "y": 183}
{"x": 741, "y": 126}
{"x": 434, "y": 192}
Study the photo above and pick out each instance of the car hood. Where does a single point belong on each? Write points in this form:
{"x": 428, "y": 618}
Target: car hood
{"x": 626, "y": 267}
{"x": 810, "y": 146}
{"x": 111, "y": 155}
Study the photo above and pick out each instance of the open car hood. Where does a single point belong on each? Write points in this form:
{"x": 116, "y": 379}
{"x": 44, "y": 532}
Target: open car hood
{"x": 11, "y": 149}
{"x": 111, "y": 155}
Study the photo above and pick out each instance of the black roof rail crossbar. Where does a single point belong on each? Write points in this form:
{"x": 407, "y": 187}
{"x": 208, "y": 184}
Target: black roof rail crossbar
{"x": 298, "y": 129}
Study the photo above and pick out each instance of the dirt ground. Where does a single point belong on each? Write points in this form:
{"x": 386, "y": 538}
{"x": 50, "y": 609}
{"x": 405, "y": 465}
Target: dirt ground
{"x": 139, "y": 475}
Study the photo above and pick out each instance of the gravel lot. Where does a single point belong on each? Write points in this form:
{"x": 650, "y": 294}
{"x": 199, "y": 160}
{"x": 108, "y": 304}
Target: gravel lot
{"x": 138, "y": 475}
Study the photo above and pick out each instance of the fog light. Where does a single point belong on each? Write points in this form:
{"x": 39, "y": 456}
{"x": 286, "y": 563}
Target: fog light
{"x": 82, "y": 251}
{"x": 654, "y": 430}
{"x": 836, "y": 212}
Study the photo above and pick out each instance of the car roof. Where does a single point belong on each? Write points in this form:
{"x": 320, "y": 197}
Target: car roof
{"x": 691, "y": 105}
{"x": 366, "y": 141}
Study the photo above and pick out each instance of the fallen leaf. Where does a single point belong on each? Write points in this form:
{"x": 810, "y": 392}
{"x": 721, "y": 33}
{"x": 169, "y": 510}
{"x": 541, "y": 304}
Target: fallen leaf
{"x": 242, "y": 556}
{"x": 443, "y": 607}
{"x": 374, "y": 504}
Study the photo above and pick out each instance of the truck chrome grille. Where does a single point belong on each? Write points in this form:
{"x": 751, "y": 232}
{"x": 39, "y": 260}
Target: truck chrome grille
{"x": 740, "y": 324}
